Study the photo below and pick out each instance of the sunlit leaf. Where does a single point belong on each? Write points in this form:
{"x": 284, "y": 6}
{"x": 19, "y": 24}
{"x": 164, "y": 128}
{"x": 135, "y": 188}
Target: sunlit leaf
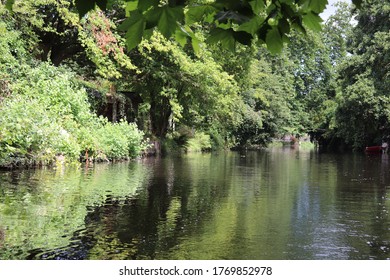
{"x": 181, "y": 36}
{"x": 195, "y": 44}
{"x": 131, "y": 6}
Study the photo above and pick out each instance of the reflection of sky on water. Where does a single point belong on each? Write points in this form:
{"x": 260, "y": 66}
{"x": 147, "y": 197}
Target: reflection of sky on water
{"x": 316, "y": 233}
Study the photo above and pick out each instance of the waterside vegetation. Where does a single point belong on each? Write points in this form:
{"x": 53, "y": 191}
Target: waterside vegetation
{"x": 105, "y": 87}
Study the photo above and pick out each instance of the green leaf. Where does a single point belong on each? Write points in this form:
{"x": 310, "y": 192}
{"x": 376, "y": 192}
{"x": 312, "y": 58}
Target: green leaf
{"x": 284, "y": 26}
{"x": 181, "y": 36}
{"x": 257, "y": 6}
{"x": 287, "y": 10}
{"x": 262, "y": 33}
{"x": 84, "y": 6}
{"x": 274, "y": 41}
{"x": 9, "y": 4}
{"x": 318, "y": 6}
{"x": 312, "y": 21}
{"x": 286, "y": 39}
{"x": 135, "y": 26}
{"x": 148, "y": 33}
{"x": 251, "y": 26}
{"x": 226, "y": 26}
{"x": 196, "y": 13}
{"x": 225, "y": 37}
{"x": 297, "y": 24}
{"x": 195, "y": 44}
{"x": 145, "y": 5}
{"x": 152, "y": 17}
{"x": 131, "y": 5}
{"x": 167, "y": 23}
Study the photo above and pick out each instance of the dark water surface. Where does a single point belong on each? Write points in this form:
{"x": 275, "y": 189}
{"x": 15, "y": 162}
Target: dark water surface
{"x": 279, "y": 203}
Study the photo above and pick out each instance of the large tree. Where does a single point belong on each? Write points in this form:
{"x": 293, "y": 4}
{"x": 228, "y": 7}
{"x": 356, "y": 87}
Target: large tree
{"x": 180, "y": 87}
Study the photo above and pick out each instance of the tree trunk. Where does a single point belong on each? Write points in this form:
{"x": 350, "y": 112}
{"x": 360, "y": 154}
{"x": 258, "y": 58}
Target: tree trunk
{"x": 160, "y": 111}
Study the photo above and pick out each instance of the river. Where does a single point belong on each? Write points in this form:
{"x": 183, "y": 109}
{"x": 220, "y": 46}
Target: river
{"x": 277, "y": 203}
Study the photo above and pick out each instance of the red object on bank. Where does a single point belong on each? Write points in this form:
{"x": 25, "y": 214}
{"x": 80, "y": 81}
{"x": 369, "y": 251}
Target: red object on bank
{"x": 374, "y": 149}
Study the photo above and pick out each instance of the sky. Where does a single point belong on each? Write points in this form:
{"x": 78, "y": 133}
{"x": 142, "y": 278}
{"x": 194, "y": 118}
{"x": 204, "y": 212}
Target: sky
{"x": 330, "y": 9}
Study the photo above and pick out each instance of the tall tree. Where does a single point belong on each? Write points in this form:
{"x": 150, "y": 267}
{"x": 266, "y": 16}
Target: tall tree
{"x": 363, "y": 116}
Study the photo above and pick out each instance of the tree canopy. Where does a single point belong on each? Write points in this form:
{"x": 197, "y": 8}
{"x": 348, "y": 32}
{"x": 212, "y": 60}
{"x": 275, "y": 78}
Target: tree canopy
{"x": 229, "y": 22}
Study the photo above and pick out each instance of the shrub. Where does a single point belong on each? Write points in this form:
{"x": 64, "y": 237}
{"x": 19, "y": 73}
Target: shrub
{"x": 200, "y": 142}
{"x": 28, "y": 135}
{"x": 120, "y": 140}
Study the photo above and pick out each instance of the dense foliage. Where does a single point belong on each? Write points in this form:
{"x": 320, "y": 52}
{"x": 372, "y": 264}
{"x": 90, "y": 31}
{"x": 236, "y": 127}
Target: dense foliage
{"x": 364, "y": 78}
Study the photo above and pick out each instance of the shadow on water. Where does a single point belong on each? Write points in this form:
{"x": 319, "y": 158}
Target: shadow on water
{"x": 279, "y": 203}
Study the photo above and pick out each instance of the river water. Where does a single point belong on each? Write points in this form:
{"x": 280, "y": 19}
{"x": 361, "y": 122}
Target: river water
{"x": 279, "y": 203}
